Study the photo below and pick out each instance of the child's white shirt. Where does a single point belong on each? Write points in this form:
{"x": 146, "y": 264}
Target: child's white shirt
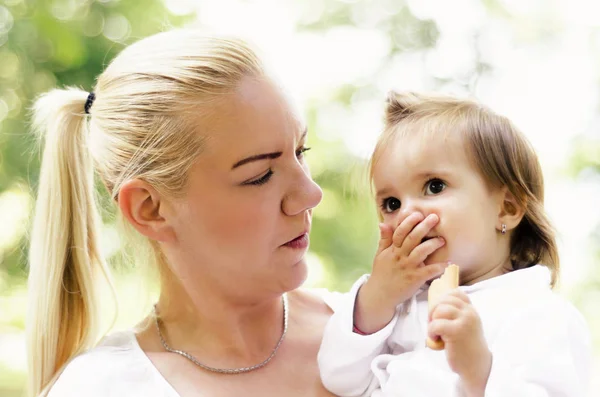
{"x": 540, "y": 345}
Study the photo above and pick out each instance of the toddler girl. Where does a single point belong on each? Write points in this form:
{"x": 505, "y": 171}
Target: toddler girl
{"x": 455, "y": 182}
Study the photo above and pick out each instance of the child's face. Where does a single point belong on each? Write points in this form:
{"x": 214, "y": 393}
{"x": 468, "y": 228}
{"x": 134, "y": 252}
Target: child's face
{"x": 429, "y": 176}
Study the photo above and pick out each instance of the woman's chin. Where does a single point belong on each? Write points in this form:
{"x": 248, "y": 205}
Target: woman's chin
{"x": 296, "y": 276}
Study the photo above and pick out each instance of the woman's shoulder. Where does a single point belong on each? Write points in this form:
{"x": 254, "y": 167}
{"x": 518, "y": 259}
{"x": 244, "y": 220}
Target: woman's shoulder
{"x": 115, "y": 367}
{"x": 319, "y": 298}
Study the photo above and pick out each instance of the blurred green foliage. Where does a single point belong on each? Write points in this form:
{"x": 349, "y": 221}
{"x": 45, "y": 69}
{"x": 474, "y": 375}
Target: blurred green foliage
{"x": 45, "y": 44}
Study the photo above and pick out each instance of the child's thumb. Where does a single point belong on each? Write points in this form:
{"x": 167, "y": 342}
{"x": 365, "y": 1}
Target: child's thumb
{"x": 386, "y": 234}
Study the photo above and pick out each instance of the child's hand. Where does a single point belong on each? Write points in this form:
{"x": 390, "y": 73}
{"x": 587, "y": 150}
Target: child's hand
{"x": 455, "y": 320}
{"x": 398, "y": 270}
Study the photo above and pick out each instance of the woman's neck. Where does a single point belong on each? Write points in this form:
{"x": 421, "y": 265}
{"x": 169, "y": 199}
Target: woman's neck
{"x": 219, "y": 330}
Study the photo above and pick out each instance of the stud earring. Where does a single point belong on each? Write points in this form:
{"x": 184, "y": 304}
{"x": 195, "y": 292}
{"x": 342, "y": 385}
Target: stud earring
{"x": 503, "y": 229}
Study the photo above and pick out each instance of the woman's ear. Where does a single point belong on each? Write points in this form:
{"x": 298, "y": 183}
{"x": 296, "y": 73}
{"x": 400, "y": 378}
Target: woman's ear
{"x": 141, "y": 205}
{"x": 511, "y": 213}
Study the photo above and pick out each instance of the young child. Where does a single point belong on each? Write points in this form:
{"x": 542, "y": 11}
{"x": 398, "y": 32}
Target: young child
{"x": 457, "y": 183}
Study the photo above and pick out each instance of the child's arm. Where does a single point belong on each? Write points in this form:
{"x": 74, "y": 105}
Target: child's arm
{"x": 345, "y": 356}
{"x": 542, "y": 351}
{"x": 398, "y": 271}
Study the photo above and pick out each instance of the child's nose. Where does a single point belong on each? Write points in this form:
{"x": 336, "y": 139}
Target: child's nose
{"x": 408, "y": 208}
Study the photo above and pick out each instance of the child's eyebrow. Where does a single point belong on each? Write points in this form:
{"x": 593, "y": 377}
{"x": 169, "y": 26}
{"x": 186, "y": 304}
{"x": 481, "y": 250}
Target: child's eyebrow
{"x": 420, "y": 176}
{"x": 383, "y": 192}
{"x": 432, "y": 174}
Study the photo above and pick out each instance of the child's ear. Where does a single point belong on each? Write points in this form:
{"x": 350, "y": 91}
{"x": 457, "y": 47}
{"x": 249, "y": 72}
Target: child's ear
{"x": 511, "y": 213}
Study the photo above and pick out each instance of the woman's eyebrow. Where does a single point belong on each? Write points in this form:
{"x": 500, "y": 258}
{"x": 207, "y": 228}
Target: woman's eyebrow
{"x": 257, "y": 157}
{"x": 264, "y": 156}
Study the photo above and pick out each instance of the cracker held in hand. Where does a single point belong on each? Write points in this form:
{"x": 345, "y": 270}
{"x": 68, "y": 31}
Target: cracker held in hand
{"x": 447, "y": 282}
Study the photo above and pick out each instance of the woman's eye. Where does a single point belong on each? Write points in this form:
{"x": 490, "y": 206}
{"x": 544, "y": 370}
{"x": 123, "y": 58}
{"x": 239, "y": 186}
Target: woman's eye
{"x": 300, "y": 152}
{"x": 390, "y": 205}
{"x": 435, "y": 186}
{"x": 262, "y": 180}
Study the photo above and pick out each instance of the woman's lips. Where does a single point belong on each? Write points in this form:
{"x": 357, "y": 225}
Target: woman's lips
{"x": 300, "y": 242}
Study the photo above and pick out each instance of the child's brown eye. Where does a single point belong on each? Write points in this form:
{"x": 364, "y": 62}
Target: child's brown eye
{"x": 390, "y": 204}
{"x": 435, "y": 186}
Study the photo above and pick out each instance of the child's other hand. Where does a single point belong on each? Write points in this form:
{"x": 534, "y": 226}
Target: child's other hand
{"x": 455, "y": 320}
{"x": 398, "y": 270}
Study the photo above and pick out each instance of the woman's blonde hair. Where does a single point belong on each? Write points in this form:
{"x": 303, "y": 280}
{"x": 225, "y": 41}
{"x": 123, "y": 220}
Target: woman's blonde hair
{"x": 145, "y": 122}
{"x": 497, "y": 149}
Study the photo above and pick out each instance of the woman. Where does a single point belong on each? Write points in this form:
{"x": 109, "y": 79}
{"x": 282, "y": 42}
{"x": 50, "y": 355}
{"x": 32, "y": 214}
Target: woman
{"x": 204, "y": 157}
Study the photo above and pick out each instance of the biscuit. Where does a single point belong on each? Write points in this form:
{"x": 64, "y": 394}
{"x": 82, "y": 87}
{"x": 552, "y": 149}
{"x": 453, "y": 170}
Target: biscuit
{"x": 447, "y": 282}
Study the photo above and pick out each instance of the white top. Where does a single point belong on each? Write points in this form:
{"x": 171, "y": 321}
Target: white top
{"x": 119, "y": 367}
{"x": 116, "y": 367}
{"x": 540, "y": 345}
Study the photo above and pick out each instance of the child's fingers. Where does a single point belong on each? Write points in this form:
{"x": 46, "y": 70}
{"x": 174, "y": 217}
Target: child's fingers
{"x": 450, "y": 300}
{"x": 427, "y": 272}
{"x": 405, "y": 227}
{"x": 423, "y": 250}
{"x": 386, "y": 232}
{"x": 417, "y": 234}
{"x": 441, "y": 328}
{"x": 460, "y": 295}
{"x": 444, "y": 311}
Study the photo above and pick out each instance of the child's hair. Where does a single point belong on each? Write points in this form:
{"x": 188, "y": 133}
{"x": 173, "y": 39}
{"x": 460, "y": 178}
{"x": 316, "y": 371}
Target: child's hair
{"x": 497, "y": 149}
{"x": 144, "y": 123}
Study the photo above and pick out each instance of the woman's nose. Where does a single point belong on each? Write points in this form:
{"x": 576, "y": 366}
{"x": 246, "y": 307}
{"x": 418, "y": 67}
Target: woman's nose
{"x": 304, "y": 194}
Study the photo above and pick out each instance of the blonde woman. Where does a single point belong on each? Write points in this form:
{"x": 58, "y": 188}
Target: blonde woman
{"x": 204, "y": 158}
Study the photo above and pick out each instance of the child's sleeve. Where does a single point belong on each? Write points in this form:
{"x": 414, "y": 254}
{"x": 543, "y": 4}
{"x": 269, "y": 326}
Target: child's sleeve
{"x": 544, "y": 351}
{"x": 345, "y": 357}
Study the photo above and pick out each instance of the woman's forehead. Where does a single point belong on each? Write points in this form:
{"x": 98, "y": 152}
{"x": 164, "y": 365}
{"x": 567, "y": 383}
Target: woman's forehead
{"x": 255, "y": 117}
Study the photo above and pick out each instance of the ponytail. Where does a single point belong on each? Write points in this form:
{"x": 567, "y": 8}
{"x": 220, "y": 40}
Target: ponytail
{"x": 64, "y": 254}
